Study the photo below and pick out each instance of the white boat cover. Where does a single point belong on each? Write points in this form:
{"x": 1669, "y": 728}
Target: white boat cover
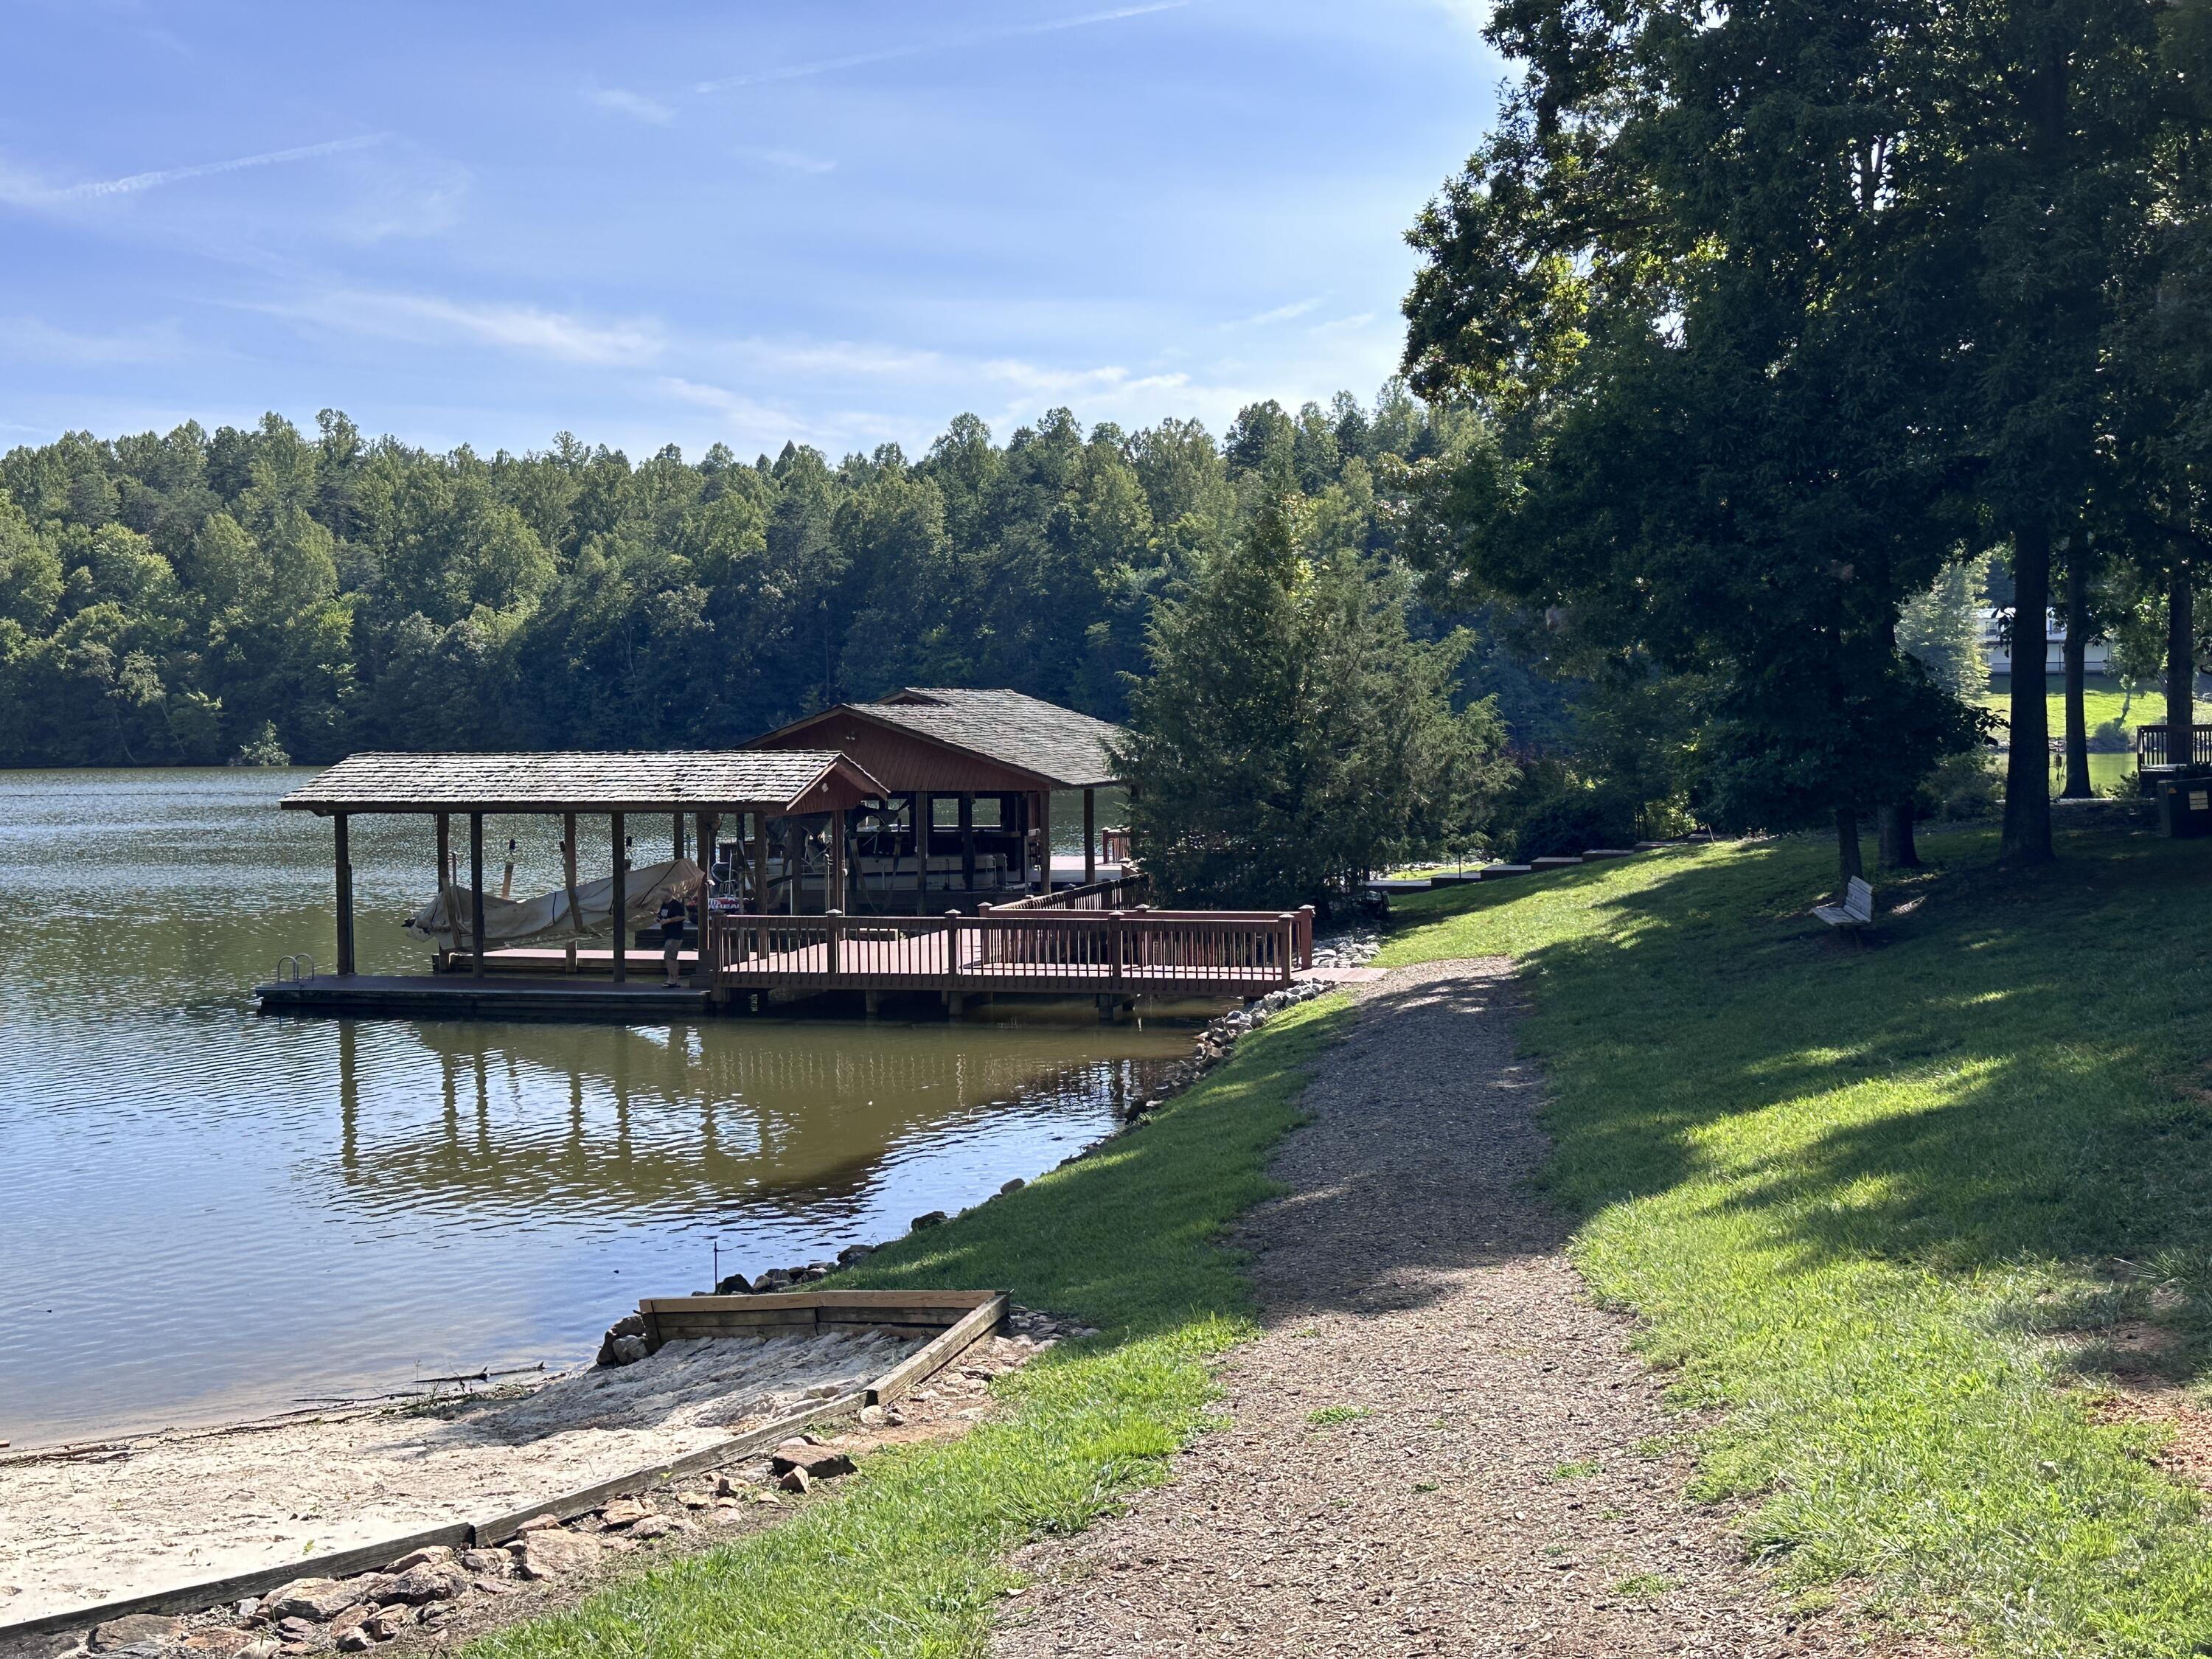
{"x": 546, "y": 919}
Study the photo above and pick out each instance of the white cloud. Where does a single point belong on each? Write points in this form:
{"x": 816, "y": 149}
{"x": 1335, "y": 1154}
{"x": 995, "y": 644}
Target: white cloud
{"x": 633, "y": 104}
{"x": 22, "y": 189}
{"x": 888, "y": 54}
{"x": 529, "y": 331}
{"x": 1037, "y": 378}
{"x": 29, "y": 338}
{"x": 1281, "y": 314}
{"x": 792, "y": 161}
{"x": 1344, "y": 323}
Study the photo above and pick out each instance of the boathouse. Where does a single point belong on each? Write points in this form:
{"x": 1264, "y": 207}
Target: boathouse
{"x": 770, "y": 797}
{"x": 968, "y": 778}
{"x": 817, "y": 872}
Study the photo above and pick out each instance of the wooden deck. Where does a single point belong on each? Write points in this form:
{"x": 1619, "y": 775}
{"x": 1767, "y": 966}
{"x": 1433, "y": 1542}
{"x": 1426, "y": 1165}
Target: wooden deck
{"x": 1116, "y": 954}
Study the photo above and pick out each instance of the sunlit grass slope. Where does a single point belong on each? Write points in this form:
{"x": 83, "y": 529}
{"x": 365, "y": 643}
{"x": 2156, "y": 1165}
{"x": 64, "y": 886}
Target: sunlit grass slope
{"x": 907, "y": 1558}
{"x": 1884, "y": 1203}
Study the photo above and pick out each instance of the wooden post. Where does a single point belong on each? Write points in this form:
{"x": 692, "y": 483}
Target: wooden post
{"x": 677, "y": 841}
{"x": 1090, "y": 836}
{"x": 568, "y": 879}
{"x": 1044, "y": 841}
{"x": 952, "y": 964}
{"x": 922, "y": 824}
{"x": 760, "y": 864}
{"x": 620, "y": 900}
{"x": 1286, "y": 949}
{"x": 1117, "y": 930}
{"x": 443, "y": 958}
{"x": 707, "y": 828}
{"x": 345, "y": 893}
{"x": 831, "y": 931}
{"x": 968, "y": 839}
{"x": 833, "y": 878}
{"x": 475, "y": 895}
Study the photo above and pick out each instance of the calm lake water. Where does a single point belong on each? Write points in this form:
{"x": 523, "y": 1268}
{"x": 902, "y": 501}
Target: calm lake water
{"x": 206, "y": 1214}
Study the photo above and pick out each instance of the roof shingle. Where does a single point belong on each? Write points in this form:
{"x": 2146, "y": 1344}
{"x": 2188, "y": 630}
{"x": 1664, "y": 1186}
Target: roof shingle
{"x": 1011, "y": 726}
{"x": 572, "y": 781}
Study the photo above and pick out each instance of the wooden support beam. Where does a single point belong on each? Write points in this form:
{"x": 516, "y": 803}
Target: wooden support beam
{"x": 760, "y": 864}
{"x": 568, "y": 879}
{"x": 1090, "y": 836}
{"x": 1044, "y": 842}
{"x": 923, "y": 824}
{"x": 968, "y": 839}
{"x": 443, "y": 957}
{"x": 620, "y": 900}
{"x": 345, "y": 893}
{"x": 675, "y": 843}
{"x": 834, "y": 885}
{"x": 709, "y": 826}
{"x": 475, "y": 895}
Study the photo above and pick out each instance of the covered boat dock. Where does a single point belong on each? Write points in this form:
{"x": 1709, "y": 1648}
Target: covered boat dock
{"x": 764, "y": 821}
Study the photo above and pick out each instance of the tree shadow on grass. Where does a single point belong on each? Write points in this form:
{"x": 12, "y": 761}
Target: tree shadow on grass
{"x": 1994, "y": 1082}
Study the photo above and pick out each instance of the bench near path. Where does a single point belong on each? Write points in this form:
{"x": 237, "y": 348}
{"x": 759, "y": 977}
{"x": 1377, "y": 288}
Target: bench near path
{"x": 1498, "y": 1492}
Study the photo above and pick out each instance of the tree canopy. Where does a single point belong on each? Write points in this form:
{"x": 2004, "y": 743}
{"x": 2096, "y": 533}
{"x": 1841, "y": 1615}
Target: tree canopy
{"x": 188, "y": 596}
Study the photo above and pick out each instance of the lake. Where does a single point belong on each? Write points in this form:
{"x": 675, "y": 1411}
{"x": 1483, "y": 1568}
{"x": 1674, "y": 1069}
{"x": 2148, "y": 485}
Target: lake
{"x": 208, "y": 1214}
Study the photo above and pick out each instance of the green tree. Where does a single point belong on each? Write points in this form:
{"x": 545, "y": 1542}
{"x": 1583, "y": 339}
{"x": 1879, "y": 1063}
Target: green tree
{"x": 1292, "y": 735}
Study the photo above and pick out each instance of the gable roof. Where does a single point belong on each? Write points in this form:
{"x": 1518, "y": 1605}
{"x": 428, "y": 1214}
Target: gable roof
{"x": 682, "y": 781}
{"x": 1055, "y": 745}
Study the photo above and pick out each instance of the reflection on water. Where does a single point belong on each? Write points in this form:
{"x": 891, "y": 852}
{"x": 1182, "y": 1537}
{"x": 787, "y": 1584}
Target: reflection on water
{"x": 209, "y": 1213}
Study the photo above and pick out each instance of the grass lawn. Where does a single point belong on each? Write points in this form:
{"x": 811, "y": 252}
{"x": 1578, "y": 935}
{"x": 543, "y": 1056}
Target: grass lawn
{"x": 906, "y": 1558}
{"x": 1898, "y": 1207}
{"x": 2102, "y": 700}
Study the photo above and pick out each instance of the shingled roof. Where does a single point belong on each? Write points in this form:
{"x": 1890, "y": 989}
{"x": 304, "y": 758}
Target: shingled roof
{"x": 1058, "y": 744}
{"x": 771, "y": 780}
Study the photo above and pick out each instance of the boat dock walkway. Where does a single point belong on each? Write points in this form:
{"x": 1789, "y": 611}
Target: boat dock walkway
{"x": 1116, "y": 957}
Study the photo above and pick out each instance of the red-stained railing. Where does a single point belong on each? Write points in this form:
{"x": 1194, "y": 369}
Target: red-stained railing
{"x": 1077, "y": 950}
{"x": 1123, "y": 893}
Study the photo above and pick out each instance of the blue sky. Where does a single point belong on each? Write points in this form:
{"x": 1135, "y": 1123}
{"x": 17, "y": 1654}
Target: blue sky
{"x": 840, "y": 223}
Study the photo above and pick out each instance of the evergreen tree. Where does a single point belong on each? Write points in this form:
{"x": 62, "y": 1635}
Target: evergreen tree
{"x": 1293, "y": 735}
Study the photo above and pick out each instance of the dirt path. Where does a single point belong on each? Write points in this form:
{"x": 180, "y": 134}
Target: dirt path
{"x": 1511, "y": 1486}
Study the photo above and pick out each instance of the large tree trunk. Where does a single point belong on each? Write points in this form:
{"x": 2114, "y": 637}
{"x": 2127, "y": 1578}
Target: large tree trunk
{"x": 1899, "y": 849}
{"x": 2028, "y": 765}
{"x": 1847, "y": 851}
{"x": 1895, "y": 844}
{"x": 2077, "y": 648}
{"x": 2180, "y": 666}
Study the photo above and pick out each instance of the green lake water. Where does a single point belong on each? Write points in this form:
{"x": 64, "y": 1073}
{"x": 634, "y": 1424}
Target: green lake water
{"x": 206, "y": 1214}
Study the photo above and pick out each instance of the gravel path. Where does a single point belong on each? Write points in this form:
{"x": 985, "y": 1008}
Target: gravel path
{"x": 1511, "y": 1484}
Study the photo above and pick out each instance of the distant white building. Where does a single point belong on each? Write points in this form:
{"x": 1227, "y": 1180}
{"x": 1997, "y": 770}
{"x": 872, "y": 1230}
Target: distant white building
{"x": 2096, "y": 656}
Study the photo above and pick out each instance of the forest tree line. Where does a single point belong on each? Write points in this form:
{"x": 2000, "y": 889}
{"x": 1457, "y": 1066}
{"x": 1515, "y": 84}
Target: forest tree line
{"x": 196, "y": 598}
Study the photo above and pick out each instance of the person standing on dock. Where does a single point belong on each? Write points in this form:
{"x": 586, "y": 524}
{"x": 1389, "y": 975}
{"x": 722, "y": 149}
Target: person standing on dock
{"x": 672, "y": 917}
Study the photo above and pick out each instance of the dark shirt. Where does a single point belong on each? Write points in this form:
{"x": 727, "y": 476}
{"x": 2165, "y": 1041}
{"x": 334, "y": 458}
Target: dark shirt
{"x": 671, "y": 921}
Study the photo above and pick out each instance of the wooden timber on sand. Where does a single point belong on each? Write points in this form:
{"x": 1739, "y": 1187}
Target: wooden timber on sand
{"x": 954, "y": 1322}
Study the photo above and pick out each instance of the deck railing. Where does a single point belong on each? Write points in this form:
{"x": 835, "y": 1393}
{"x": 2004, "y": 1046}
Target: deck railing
{"x": 2155, "y": 747}
{"x": 1084, "y": 951}
{"x": 1122, "y": 893}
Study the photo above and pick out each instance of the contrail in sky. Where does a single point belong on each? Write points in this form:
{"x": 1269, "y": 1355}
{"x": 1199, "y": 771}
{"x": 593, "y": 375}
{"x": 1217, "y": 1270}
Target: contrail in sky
{"x": 138, "y": 181}
{"x": 799, "y": 71}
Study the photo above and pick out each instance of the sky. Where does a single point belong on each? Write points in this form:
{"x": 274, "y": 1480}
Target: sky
{"x": 837, "y": 224}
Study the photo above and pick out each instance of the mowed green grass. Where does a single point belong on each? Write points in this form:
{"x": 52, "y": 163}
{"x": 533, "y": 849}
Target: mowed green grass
{"x": 907, "y": 1558}
{"x": 2102, "y": 700}
{"x": 1886, "y": 1205}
